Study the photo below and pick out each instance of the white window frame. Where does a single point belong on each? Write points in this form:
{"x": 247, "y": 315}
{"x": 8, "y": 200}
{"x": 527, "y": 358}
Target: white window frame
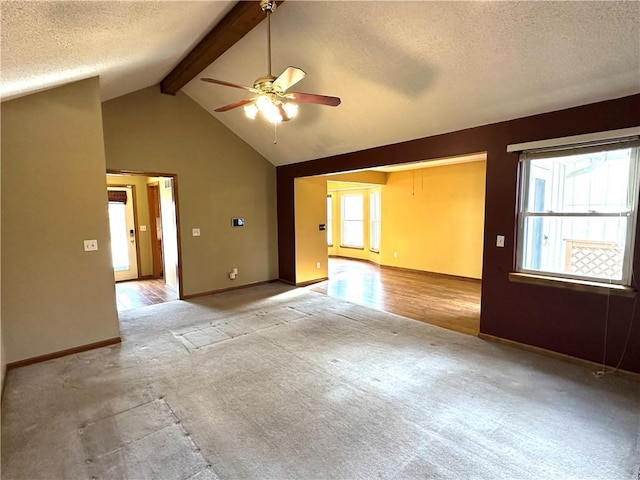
{"x": 329, "y": 220}
{"x": 374, "y": 221}
{"x": 631, "y": 213}
{"x": 359, "y": 220}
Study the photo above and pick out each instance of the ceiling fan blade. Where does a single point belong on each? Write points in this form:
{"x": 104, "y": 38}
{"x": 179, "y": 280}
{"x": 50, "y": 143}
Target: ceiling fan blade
{"x": 237, "y": 104}
{"x": 313, "y": 98}
{"x": 227, "y": 84}
{"x": 289, "y": 78}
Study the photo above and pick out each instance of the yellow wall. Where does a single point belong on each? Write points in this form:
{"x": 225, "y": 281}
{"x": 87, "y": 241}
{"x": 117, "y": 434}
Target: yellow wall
{"x": 55, "y": 296}
{"x": 370, "y": 176}
{"x": 311, "y": 242}
{"x": 434, "y": 219}
{"x": 142, "y": 212}
{"x": 219, "y": 177}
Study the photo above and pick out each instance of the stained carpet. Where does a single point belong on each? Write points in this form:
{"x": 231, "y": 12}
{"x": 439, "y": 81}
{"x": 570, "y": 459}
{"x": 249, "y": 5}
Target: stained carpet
{"x": 274, "y": 382}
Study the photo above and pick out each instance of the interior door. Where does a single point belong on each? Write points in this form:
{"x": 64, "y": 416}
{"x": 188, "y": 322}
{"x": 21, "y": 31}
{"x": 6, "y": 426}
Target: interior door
{"x": 123, "y": 235}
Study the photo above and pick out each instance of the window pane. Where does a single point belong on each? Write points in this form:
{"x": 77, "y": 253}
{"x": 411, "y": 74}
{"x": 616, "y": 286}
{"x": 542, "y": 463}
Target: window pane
{"x": 329, "y": 220}
{"x": 595, "y": 181}
{"x": 352, "y": 221}
{"x": 587, "y": 200}
{"x": 352, "y": 207}
{"x": 352, "y": 235}
{"x": 119, "y": 239}
{"x": 591, "y": 247}
{"x": 374, "y": 214}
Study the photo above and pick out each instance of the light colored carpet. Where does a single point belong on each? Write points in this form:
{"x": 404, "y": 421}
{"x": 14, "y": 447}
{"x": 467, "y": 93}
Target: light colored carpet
{"x": 280, "y": 383}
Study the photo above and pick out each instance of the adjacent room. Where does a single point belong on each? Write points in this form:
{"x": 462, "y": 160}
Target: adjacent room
{"x": 311, "y": 240}
{"x": 405, "y": 239}
{"x": 144, "y": 239}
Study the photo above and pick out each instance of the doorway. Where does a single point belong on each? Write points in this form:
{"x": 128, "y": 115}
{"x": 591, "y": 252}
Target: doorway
{"x": 151, "y": 235}
{"x": 424, "y": 220}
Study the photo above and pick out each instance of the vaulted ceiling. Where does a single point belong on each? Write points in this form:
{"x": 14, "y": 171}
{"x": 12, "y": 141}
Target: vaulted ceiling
{"x": 403, "y": 70}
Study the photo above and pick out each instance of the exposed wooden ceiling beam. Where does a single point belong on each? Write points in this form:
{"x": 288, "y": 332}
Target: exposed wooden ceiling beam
{"x": 242, "y": 18}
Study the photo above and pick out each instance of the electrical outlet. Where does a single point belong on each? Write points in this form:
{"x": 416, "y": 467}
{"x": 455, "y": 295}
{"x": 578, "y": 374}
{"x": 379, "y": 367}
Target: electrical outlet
{"x": 90, "y": 245}
{"x": 500, "y": 241}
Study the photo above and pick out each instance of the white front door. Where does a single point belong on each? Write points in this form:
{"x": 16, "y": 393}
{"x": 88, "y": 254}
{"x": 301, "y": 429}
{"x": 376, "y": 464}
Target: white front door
{"x": 123, "y": 237}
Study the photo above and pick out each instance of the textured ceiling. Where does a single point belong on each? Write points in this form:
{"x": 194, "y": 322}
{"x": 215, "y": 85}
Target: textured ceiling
{"x": 130, "y": 45}
{"x": 404, "y": 70}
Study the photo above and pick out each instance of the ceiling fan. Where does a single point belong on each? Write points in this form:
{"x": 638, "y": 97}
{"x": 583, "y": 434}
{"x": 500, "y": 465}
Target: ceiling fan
{"x": 271, "y": 96}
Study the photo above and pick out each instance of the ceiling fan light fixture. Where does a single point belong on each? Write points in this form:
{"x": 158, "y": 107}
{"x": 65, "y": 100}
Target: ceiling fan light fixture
{"x": 291, "y": 109}
{"x": 269, "y": 109}
{"x": 251, "y": 110}
{"x": 272, "y": 99}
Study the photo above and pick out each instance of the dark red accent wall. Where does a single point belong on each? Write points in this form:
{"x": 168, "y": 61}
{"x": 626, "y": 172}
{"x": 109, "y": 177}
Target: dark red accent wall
{"x": 561, "y": 320}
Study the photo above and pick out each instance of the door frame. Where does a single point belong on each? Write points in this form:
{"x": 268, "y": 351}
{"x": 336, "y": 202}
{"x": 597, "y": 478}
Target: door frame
{"x": 157, "y": 262}
{"x": 174, "y": 177}
{"x": 135, "y": 222}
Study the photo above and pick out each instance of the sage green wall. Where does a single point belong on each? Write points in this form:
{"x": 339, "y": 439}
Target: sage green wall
{"x": 142, "y": 213}
{"x": 55, "y": 295}
{"x": 219, "y": 177}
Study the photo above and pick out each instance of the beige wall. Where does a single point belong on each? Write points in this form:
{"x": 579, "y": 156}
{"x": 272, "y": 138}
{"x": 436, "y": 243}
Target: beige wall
{"x": 3, "y": 370}
{"x": 3, "y": 360}
{"x": 219, "y": 177}
{"x": 311, "y": 242}
{"x": 142, "y": 212}
{"x": 434, "y": 219}
{"x": 55, "y": 295}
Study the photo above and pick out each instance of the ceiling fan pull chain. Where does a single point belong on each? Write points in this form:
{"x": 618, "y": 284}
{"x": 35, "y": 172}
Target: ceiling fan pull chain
{"x": 275, "y": 133}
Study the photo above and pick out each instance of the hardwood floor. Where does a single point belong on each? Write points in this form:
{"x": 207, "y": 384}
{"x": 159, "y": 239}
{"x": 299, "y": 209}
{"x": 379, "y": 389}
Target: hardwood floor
{"x": 139, "y": 293}
{"x": 442, "y": 300}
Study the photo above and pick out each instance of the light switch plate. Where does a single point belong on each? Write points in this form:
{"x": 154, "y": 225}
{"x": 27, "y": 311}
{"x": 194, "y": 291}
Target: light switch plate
{"x": 143, "y": 228}
{"x": 90, "y": 245}
{"x": 500, "y": 241}
{"x": 195, "y": 232}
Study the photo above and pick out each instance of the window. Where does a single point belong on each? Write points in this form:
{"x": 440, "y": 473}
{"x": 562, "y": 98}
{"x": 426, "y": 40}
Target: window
{"x": 374, "y": 221}
{"x": 578, "y": 210}
{"x": 352, "y": 221}
{"x": 329, "y": 220}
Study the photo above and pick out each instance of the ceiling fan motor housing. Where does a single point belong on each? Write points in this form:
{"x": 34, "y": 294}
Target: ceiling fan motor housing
{"x": 268, "y": 5}
{"x": 265, "y": 84}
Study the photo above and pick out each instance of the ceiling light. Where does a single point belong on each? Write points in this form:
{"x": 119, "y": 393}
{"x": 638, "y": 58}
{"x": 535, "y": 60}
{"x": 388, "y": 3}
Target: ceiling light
{"x": 271, "y": 108}
{"x": 291, "y": 109}
{"x": 251, "y": 110}
{"x": 271, "y": 97}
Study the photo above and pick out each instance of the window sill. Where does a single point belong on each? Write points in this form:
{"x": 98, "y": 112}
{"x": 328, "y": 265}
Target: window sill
{"x": 374, "y": 251}
{"x": 352, "y": 248}
{"x": 571, "y": 284}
